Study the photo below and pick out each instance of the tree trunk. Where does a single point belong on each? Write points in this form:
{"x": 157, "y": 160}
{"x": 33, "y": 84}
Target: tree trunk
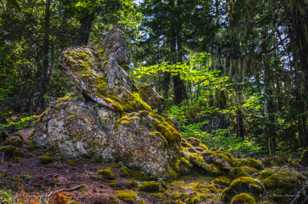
{"x": 179, "y": 90}
{"x": 44, "y": 71}
{"x": 240, "y": 124}
{"x": 166, "y": 85}
{"x": 269, "y": 108}
{"x": 299, "y": 39}
{"x": 85, "y": 28}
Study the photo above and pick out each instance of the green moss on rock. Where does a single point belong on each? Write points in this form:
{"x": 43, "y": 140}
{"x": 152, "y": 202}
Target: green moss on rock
{"x": 222, "y": 160}
{"x": 281, "y": 180}
{"x": 150, "y": 186}
{"x": 198, "y": 161}
{"x": 243, "y": 198}
{"x": 139, "y": 101}
{"x": 126, "y": 195}
{"x": 101, "y": 84}
{"x": 250, "y": 162}
{"x": 124, "y": 171}
{"x": 242, "y": 171}
{"x": 46, "y": 158}
{"x": 182, "y": 165}
{"x": 10, "y": 151}
{"x": 154, "y": 122}
{"x": 222, "y": 181}
{"x": 80, "y": 60}
{"x": 243, "y": 185}
{"x": 166, "y": 128}
{"x": 106, "y": 173}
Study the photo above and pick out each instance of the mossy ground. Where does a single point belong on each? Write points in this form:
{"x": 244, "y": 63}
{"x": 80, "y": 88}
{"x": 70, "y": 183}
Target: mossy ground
{"x": 200, "y": 174}
{"x": 106, "y": 173}
{"x": 127, "y": 195}
{"x": 114, "y": 182}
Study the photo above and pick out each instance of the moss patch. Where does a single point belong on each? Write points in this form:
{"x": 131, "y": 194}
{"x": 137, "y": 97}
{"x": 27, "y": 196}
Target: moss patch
{"x": 46, "y": 158}
{"x": 139, "y": 101}
{"x": 191, "y": 192}
{"x": 222, "y": 181}
{"x": 250, "y": 162}
{"x": 166, "y": 128}
{"x": 154, "y": 122}
{"x": 243, "y": 185}
{"x": 281, "y": 180}
{"x": 150, "y": 186}
{"x": 183, "y": 165}
{"x": 243, "y": 198}
{"x": 242, "y": 171}
{"x": 10, "y": 151}
{"x": 79, "y": 59}
{"x": 106, "y": 173}
{"x": 126, "y": 195}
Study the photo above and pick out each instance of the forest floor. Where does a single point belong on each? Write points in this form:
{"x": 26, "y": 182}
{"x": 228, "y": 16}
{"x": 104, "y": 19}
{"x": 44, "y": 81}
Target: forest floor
{"x": 33, "y": 178}
{"x": 32, "y": 175}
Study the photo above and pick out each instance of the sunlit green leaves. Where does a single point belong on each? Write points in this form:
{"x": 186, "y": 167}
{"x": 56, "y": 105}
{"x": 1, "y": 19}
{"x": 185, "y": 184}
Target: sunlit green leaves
{"x": 195, "y": 70}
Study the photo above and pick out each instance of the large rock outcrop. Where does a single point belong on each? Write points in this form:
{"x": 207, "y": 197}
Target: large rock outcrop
{"x": 106, "y": 118}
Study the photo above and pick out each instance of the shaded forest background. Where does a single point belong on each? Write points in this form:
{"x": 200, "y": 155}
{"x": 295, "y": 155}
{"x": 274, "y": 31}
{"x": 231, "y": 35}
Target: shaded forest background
{"x": 233, "y": 73}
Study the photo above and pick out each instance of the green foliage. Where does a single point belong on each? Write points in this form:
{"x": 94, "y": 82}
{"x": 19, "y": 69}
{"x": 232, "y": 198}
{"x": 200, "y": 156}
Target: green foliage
{"x": 195, "y": 70}
{"x": 222, "y": 139}
{"x": 19, "y": 123}
{"x": 6, "y": 197}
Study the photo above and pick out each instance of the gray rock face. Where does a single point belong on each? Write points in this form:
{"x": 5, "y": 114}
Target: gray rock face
{"x": 107, "y": 118}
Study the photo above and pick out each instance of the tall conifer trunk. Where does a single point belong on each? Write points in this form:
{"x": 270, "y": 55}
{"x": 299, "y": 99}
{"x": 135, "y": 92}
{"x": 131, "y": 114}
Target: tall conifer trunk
{"x": 43, "y": 73}
{"x": 298, "y": 30}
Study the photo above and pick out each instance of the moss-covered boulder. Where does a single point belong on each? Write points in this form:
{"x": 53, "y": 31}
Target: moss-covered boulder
{"x": 242, "y": 171}
{"x": 243, "y": 198}
{"x": 105, "y": 117}
{"x": 243, "y": 185}
{"x": 281, "y": 180}
{"x": 249, "y": 162}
